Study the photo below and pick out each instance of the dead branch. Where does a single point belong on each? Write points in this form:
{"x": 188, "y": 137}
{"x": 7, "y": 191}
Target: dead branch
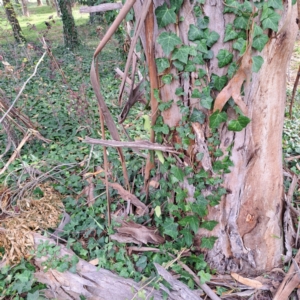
{"x": 100, "y": 8}
{"x": 135, "y": 144}
{"x": 294, "y": 92}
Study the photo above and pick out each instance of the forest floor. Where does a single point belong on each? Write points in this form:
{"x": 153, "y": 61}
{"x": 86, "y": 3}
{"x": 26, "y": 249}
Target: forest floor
{"x": 61, "y": 102}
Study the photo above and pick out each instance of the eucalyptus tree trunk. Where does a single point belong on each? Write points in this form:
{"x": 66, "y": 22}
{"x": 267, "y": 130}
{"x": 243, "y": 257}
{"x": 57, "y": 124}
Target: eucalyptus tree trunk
{"x": 24, "y": 8}
{"x": 249, "y": 215}
{"x": 12, "y": 18}
{"x": 39, "y": 3}
{"x": 70, "y": 32}
{"x": 56, "y": 6}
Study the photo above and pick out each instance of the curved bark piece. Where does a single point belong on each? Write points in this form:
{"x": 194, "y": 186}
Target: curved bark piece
{"x": 96, "y": 284}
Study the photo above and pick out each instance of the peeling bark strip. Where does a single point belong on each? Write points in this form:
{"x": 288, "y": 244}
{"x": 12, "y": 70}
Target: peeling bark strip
{"x": 100, "y": 8}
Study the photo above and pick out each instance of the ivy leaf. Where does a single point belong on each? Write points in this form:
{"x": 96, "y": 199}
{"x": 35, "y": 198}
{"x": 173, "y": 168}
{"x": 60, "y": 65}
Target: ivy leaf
{"x": 230, "y": 33}
{"x": 162, "y": 64}
{"x": 232, "y": 69}
{"x": 203, "y": 22}
{"x": 181, "y": 54}
{"x": 204, "y": 277}
{"x": 257, "y": 30}
{"x": 271, "y": 22}
{"x": 212, "y": 38}
{"x": 239, "y": 124}
{"x": 187, "y": 235}
{"x": 206, "y": 100}
{"x": 168, "y": 41}
{"x": 177, "y": 173}
{"x": 266, "y": 12}
{"x": 246, "y": 7}
{"x": 178, "y": 65}
{"x": 196, "y": 94}
{"x": 192, "y": 221}
{"x": 193, "y": 51}
{"x": 224, "y": 57}
{"x": 260, "y": 41}
{"x": 201, "y": 46}
{"x": 170, "y": 228}
{"x": 198, "y": 59}
{"x": 194, "y": 33}
{"x": 241, "y": 22}
{"x": 177, "y": 4}
{"x": 219, "y": 81}
{"x": 190, "y": 67}
{"x": 209, "y": 225}
{"x": 217, "y": 118}
{"x": 165, "y": 15}
{"x": 231, "y": 6}
{"x": 257, "y": 62}
{"x": 276, "y": 4}
{"x": 208, "y": 242}
{"x": 209, "y": 55}
{"x": 240, "y": 44}
{"x": 179, "y": 91}
{"x": 201, "y": 73}
{"x": 167, "y": 79}
{"x": 197, "y": 116}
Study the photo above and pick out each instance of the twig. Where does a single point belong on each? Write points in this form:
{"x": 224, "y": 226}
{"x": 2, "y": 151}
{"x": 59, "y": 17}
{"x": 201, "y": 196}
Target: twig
{"x": 23, "y": 87}
{"x": 294, "y": 92}
{"x": 292, "y": 158}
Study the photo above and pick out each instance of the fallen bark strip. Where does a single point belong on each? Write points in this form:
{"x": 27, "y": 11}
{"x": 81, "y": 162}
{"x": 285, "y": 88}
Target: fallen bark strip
{"x": 100, "y": 8}
{"x": 290, "y": 281}
{"x": 94, "y": 284}
{"x": 143, "y": 145}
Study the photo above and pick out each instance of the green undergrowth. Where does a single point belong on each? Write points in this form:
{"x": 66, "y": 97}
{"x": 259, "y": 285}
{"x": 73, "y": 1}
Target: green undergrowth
{"x": 66, "y": 112}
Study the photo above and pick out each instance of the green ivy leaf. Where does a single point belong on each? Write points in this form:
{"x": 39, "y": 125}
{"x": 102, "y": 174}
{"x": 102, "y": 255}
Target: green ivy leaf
{"x": 212, "y": 38}
{"x": 206, "y": 100}
{"x": 204, "y": 277}
{"x": 260, "y": 41}
{"x": 168, "y": 41}
{"x": 203, "y": 22}
{"x": 162, "y": 64}
{"x": 232, "y": 69}
{"x": 276, "y": 4}
{"x": 194, "y": 33}
{"x": 187, "y": 235}
{"x": 178, "y": 65}
{"x": 179, "y": 91}
{"x": 217, "y": 118}
{"x": 165, "y": 15}
{"x": 208, "y": 242}
{"x": 196, "y": 94}
{"x": 201, "y": 46}
{"x": 198, "y": 59}
{"x": 201, "y": 73}
{"x": 209, "y": 225}
{"x": 209, "y": 55}
{"x": 177, "y": 173}
{"x": 157, "y": 211}
{"x": 271, "y": 22}
{"x": 224, "y": 57}
{"x": 230, "y": 33}
{"x": 190, "y": 67}
{"x": 147, "y": 123}
{"x": 239, "y": 124}
{"x": 177, "y": 4}
{"x": 240, "y": 44}
{"x": 246, "y": 7}
{"x": 257, "y": 30}
{"x": 266, "y": 12}
{"x": 170, "y": 228}
{"x": 231, "y": 6}
{"x": 181, "y": 54}
{"x": 167, "y": 79}
{"x": 192, "y": 221}
{"x": 257, "y": 62}
{"x": 193, "y": 51}
{"x": 219, "y": 81}
{"x": 241, "y": 22}
{"x": 197, "y": 116}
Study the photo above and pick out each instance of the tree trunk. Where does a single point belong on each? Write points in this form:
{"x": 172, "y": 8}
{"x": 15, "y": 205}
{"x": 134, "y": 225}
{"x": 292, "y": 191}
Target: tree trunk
{"x": 70, "y": 31}
{"x": 39, "y": 3}
{"x": 12, "y": 18}
{"x": 24, "y": 8}
{"x": 55, "y": 4}
{"x": 249, "y": 216}
{"x": 47, "y": 2}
